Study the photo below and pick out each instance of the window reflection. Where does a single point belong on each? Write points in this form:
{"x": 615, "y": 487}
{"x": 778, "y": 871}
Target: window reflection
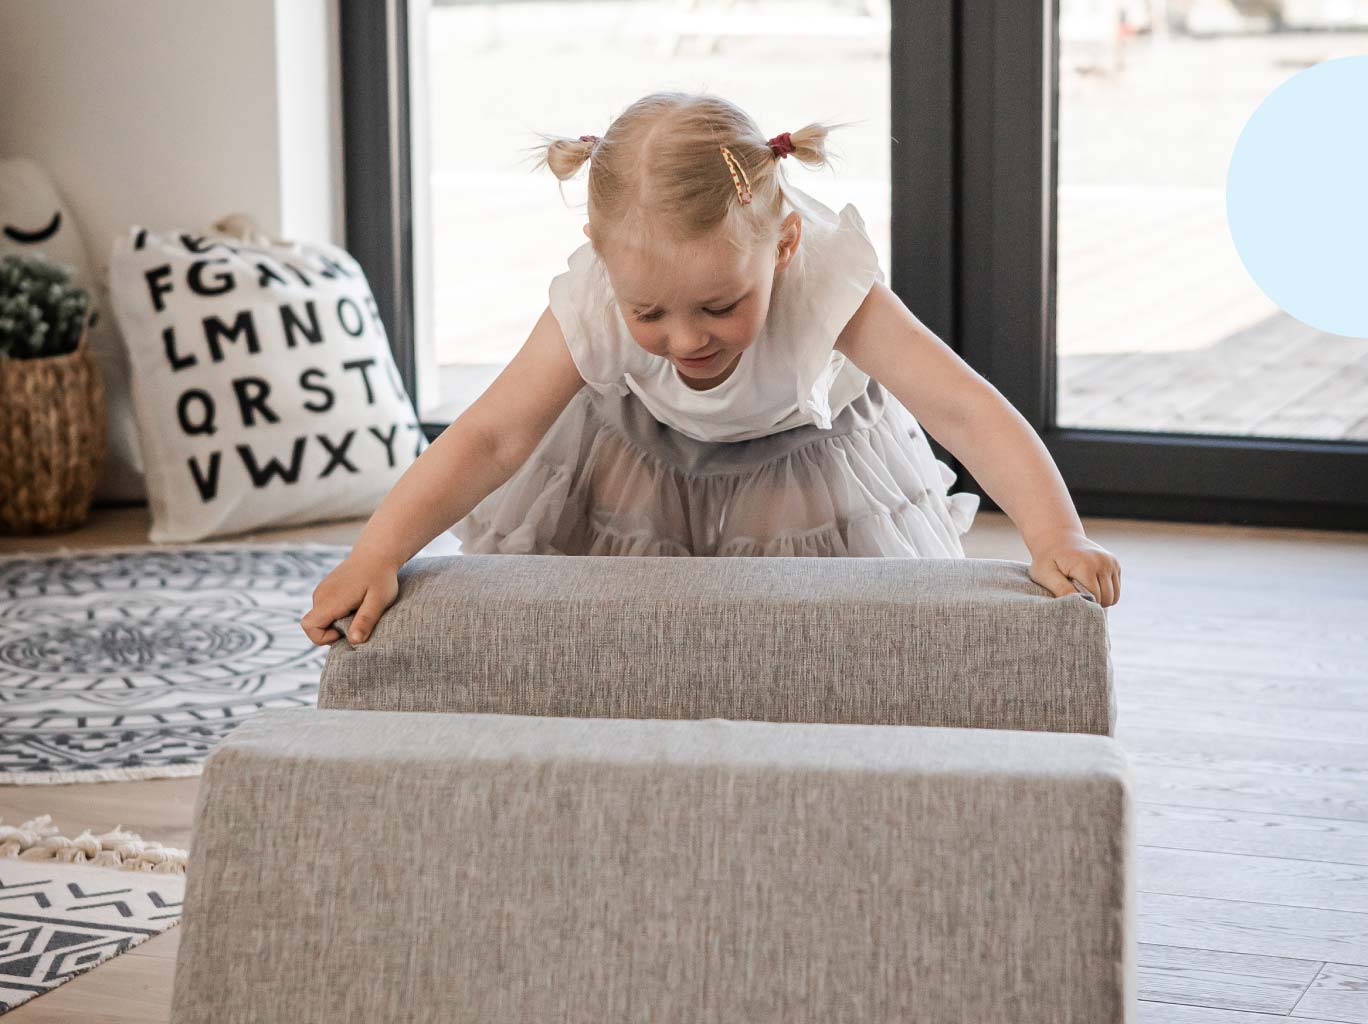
{"x": 1159, "y": 327}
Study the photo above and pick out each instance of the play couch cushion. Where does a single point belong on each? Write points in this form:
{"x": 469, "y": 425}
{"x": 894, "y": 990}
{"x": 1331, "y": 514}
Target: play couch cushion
{"x": 363, "y": 866}
{"x": 895, "y": 641}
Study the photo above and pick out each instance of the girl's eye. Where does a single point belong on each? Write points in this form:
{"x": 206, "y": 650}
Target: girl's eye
{"x": 650, "y": 317}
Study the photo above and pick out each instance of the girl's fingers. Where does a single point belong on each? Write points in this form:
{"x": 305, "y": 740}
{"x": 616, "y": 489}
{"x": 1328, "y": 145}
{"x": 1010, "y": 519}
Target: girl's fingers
{"x": 1056, "y": 582}
{"x": 319, "y": 635}
{"x": 321, "y": 620}
{"x": 371, "y": 607}
{"x": 320, "y": 616}
{"x": 1106, "y": 588}
{"x": 1094, "y": 584}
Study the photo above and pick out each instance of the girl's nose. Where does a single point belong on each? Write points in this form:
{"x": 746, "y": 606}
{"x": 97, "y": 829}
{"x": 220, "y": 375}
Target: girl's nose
{"x": 700, "y": 346}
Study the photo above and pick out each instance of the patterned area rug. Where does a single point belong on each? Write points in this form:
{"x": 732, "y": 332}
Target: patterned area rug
{"x": 67, "y": 905}
{"x": 132, "y": 663}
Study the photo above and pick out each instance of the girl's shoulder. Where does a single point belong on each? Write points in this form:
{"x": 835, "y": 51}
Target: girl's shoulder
{"x": 833, "y": 270}
{"x": 817, "y": 294}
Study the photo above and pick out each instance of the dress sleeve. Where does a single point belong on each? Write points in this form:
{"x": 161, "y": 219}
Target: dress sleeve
{"x": 840, "y": 267}
{"x": 582, "y": 301}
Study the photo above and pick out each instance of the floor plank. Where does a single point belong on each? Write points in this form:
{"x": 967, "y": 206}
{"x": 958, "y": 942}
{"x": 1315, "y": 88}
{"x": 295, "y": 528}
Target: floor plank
{"x": 156, "y": 809}
{"x": 1254, "y": 791}
{"x": 1280, "y": 881}
{"x": 1232, "y": 981}
{"x": 1255, "y": 721}
{"x": 1262, "y": 929}
{"x": 161, "y": 947}
{"x": 1172, "y": 1013}
{"x": 1340, "y": 992}
{"x": 1177, "y": 748}
{"x": 1264, "y": 835}
{"x": 1236, "y": 687}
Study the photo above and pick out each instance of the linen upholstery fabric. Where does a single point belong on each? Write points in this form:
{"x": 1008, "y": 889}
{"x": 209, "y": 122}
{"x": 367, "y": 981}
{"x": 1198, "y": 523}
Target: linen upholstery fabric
{"x": 973, "y": 643}
{"x": 358, "y": 866}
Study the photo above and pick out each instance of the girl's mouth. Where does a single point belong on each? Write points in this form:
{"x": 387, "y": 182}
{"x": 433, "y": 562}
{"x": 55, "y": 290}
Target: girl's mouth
{"x": 697, "y": 362}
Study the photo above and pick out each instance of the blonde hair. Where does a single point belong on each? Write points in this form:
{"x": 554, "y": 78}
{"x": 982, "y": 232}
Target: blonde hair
{"x": 658, "y": 172}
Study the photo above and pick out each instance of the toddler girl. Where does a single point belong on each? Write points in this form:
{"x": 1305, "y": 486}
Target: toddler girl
{"x": 721, "y": 370}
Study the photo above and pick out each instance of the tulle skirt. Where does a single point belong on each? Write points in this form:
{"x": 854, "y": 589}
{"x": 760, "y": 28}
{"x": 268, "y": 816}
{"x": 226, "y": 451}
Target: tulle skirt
{"x": 608, "y": 478}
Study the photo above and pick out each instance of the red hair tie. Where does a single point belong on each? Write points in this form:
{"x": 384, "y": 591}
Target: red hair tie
{"x": 782, "y": 145}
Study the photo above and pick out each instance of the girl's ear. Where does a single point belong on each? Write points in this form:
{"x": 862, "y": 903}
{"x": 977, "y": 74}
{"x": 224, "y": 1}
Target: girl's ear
{"x": 789, "y": 234}
{"x": 586, "y": 232}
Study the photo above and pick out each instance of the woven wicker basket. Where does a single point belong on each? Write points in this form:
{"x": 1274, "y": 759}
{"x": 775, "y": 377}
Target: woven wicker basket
{"x": 52, "y": 440}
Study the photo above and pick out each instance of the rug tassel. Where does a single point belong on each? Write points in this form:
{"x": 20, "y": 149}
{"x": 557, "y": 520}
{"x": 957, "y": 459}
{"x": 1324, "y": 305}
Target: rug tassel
{"x": 125, "y": 851}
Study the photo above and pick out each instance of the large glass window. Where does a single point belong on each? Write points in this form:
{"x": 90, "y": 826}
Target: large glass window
{"x": 1102, "y": 296}
{"x": 490, "y": 235}
{"x": 1159, "y": 326}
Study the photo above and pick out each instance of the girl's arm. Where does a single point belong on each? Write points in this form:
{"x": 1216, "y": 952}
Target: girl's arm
{"x": 479, "y": 450}
{"x": 985, "y": 432}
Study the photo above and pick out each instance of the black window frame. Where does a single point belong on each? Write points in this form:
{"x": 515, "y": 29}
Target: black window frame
{"x": 377, "y": 166}
{"x": 974, "y": 108}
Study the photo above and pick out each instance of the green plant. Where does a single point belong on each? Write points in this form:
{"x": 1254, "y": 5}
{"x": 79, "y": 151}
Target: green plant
{"x": 41, "y": 312}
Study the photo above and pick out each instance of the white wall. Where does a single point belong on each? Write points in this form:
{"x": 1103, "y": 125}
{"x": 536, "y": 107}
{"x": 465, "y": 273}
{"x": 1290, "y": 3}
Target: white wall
{"x": 309, "y": 120}
{"x": 170, "y": 114}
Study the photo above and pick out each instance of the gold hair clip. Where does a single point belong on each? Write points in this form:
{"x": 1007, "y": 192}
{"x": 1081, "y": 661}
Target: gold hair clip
{"x": 734, "y": 166}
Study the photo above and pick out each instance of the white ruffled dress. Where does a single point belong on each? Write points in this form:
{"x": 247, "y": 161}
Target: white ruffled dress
{"x": 798, "y": 452}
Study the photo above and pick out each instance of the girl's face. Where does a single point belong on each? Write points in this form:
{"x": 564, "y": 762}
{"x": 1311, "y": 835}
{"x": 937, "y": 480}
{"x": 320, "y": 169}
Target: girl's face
{"x": 700, "y": 304}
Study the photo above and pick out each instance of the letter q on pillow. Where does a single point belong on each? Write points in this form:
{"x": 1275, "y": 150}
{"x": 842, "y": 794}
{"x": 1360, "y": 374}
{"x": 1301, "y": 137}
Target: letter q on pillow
{"x": 263, "y": 384}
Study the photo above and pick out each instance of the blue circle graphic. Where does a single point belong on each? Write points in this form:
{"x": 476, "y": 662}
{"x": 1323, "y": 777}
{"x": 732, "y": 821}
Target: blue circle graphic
{"x": 1297, "y": 196}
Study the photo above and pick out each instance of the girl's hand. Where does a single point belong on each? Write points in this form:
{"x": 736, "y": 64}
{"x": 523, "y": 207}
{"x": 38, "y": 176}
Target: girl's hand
{"x": 363, "y": 585}
{"x": 1071, "y": 555}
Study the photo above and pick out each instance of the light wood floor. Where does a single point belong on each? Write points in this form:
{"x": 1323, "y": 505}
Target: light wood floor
{"x": 1242, "y": 672}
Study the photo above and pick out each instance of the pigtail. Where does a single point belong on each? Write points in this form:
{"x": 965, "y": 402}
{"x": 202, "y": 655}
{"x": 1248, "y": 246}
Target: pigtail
{"x": 564, "y": 155}
{"x": 810, "y": 143}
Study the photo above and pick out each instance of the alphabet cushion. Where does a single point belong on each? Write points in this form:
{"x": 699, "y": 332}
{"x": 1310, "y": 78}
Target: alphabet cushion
{"x": 263, "y": 383}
